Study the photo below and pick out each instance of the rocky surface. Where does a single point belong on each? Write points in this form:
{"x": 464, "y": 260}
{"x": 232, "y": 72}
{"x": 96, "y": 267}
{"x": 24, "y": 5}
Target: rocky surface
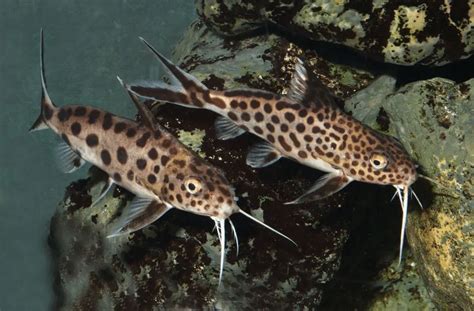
{"x": 434, "y": 119}
{"x": 400, "y": 32}
{"x": 400, "y": 288}
{"x": 174, "y": 262}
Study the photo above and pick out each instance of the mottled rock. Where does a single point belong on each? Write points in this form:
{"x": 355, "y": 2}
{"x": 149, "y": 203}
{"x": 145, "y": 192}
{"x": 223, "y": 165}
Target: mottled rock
{"x": 400, "y": 288}
{"x": 400, "y": 32}
{"x": 174, "y": 262}
{"x": 434, "y": 119}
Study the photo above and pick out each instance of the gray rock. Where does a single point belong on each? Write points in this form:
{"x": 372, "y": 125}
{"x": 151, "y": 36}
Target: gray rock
{"x": 400, "y": 288}
{"x": 174, "y": 262}
{"x": 399, "y": 32}
{"x": 435, "y": 121}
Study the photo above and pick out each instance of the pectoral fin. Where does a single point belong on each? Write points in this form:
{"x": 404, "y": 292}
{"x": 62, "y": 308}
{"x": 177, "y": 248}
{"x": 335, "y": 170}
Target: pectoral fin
{"x": 138, "y": 214}
{"x": 68, "y": 159}
{"x": 262, "y": 154}
{"x": 226, "y": 129}
{"x": 324, "y": 187}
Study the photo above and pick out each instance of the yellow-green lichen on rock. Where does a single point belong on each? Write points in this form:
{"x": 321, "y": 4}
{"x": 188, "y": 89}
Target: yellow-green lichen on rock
{"x": 400, "y": 32}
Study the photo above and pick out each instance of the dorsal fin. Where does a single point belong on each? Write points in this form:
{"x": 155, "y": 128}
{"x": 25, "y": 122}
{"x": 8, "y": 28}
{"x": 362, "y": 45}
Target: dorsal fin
{"x": 147, "y": 117}
{"x": 299, "y": 82}
{"x": 307, "y": 89}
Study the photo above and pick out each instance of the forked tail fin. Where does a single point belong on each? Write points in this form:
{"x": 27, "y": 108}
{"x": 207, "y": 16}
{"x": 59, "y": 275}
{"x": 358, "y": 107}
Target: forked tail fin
{"x": 47, "y": 106}
{"x": 184, "y": 89}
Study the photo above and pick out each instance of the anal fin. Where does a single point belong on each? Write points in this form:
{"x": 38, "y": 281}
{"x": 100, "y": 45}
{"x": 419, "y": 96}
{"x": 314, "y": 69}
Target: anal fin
{"x": 68, "y": 159}
{"x": 262, "y": 154}
{"x": 138, "y": 214}
{"x": 324, "y": 187}
{"x": 226, "y": 129}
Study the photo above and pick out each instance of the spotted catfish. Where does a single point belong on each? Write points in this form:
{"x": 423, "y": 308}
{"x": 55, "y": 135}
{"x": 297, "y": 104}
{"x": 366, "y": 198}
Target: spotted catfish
{"x": 305, "y": 125}
{"x": 144, "y": 159}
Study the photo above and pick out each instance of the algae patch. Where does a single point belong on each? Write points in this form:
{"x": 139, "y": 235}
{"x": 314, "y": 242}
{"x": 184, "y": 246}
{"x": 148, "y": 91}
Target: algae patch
{"x": 193, "y": 140}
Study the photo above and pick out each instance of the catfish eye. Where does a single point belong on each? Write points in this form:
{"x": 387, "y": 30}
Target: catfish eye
{"x": 378, "y": 161}
{"x": 193, "y": 185}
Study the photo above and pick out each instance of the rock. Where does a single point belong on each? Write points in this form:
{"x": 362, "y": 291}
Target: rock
{"x": 400, "y": 288}
{"x": 398, "y": 32}
{"x": 434, "y": 120}
{"x": 174, "y": 262}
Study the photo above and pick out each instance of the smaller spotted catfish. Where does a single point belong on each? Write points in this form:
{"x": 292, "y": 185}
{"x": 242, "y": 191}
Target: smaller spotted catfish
{"x": 145, "y": 159}
{"x": 305, "y": 125}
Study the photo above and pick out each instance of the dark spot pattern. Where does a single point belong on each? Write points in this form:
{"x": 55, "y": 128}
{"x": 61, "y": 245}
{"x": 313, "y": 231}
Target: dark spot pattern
{"x": 80, "y": 111}
{"x": 153, "y": 154}
{"x": 105, "y": 156}
{"x": 289, "y": 116}
{"x": 92, "y": 140}
{"x": 232, "y": 116}
{"x": 130, "y": 175}
{"x": 164, "y": 160}
{"x": 107, "y": 122}
{"x": 302, "y": 154}
{"x": 284, "y": 144}
{"x": 141, "y": 142}
{"x": 255, "y": 104}
{"x": 119, "y": 127}
{"x": 267, "y": 108}
{"x": 166, "y": 143}
{"x": 245, "y": 116}
{"x": 141, "y": 164}
{"x": 151, "y": 178}
{"x": 131, "y": 132}
{"x": 64, "y": 114}
{"x": 295, "y": 140}
{"x": 93, "y": 116}
{"x": 258, "y": 130}
{"x": 117, "y": 177}
{"x": 47, "y": 112}
{"x": 302, "y": 113}
{"x": 122, "y": 155}
{"x": 300, "y": 127}
{"x": 75, "y": 128}
{"x": 270, "y": 127}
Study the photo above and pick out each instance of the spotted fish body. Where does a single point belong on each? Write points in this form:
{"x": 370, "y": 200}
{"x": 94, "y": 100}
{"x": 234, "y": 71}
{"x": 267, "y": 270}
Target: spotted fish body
{"x": 142, "y": 158}
{"x": 306, "y": 125}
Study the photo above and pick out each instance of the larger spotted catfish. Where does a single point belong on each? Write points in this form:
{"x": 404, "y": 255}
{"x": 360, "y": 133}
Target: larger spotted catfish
{"x": 144, "y": 159}
{"x": 305, "y": 125}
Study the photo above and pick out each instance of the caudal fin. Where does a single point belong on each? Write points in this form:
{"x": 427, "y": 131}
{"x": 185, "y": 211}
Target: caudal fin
{"x": 47, "y": 106}
{"x": 184, "y": 89}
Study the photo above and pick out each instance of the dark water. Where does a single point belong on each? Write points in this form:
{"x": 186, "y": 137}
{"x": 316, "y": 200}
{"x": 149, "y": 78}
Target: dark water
{"x": 87, "y": 44}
